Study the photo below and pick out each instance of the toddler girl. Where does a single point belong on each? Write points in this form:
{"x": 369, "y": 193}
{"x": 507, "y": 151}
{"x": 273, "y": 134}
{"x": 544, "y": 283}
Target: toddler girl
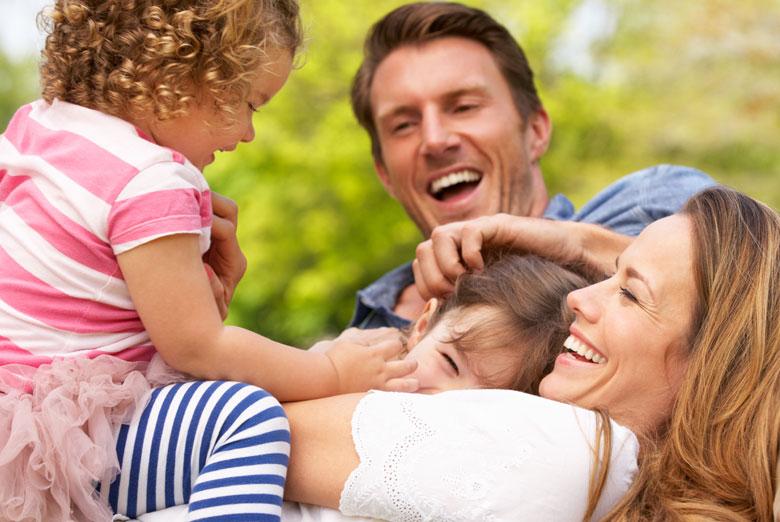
{"x": 105, "y": 219}
{"x": 501, "y": 328}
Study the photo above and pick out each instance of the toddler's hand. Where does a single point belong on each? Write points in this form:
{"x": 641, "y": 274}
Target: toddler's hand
{"x": 361, "y": 367}
{"x": 364, "y": 337}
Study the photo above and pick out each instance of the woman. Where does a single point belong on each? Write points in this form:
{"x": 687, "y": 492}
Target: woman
{"x": 688, "y": 331}
{"x": 681, "y": 345}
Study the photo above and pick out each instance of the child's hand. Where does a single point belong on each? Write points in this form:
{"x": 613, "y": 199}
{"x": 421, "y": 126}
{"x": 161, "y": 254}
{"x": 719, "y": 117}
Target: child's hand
{"x": 361, "y": 367}
{"x": 364, "y": 337}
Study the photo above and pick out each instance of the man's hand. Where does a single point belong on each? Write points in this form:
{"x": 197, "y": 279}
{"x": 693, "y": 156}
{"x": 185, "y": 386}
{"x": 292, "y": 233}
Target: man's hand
{"x": 225, "y": 258}
{"x": 457, "y": 247}
{"x": 377, "y": 365}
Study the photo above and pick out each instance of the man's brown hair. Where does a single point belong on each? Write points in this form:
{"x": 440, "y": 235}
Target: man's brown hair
{"x": 421, "y": 22}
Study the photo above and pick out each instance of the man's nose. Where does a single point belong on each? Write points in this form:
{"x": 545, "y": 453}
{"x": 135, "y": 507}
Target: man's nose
{"x": 437, "y": 136}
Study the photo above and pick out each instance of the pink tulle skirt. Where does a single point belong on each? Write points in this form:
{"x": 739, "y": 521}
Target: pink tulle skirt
{"x": 57, "y": 429}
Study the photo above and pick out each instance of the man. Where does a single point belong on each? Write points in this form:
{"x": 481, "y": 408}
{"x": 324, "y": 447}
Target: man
{"x": 457, "y": 132}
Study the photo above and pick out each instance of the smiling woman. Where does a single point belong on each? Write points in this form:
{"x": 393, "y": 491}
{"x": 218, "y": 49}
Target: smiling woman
{"x": 687, "y": 331}
{"x": 650, "y": 297}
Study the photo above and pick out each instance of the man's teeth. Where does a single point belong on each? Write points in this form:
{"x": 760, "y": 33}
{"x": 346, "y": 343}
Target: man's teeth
{"x": 463, "y": 176}
{"x": 577, "y": 346}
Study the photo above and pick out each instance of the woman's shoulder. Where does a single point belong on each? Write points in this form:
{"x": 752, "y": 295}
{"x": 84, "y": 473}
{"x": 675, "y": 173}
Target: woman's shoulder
{"x": 503, "y": 455}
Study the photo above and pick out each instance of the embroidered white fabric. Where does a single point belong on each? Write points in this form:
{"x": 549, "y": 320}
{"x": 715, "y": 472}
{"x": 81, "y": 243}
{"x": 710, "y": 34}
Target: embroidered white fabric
{"x": 488, "y": 455}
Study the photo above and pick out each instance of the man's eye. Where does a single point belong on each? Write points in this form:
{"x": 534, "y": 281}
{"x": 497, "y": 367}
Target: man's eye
{"x": 465, "y": 107}
{"x": 451, "y": 363}
{"x": 400, "y": 127}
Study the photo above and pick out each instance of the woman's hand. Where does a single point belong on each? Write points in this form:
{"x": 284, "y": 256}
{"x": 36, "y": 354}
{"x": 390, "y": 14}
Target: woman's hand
{"x": 225, "y": 258}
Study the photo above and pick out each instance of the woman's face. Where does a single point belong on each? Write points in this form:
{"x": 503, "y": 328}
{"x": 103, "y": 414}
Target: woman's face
{"x": 632, "y": 331}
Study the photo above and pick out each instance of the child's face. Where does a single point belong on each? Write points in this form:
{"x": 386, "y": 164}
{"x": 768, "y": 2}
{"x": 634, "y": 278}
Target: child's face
{"x": 442, "y": 366}
{"x": 202, "y": 133}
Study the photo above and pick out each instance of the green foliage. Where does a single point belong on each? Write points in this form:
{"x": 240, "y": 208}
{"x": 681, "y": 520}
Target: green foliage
{"x": 18, "y": 85}
{"x": 680, "y": 82}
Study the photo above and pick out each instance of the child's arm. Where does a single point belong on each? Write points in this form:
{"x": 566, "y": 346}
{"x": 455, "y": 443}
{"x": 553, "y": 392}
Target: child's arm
{"x": 171, "y": 292}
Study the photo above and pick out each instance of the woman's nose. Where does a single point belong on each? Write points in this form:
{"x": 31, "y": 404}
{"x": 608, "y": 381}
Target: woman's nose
{"x": 585, "y": 302}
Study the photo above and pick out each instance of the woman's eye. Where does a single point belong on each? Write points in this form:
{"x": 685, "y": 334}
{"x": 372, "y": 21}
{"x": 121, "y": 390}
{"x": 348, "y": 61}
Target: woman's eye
{"x": 625, "y": 292}
{"x": 451, "y": 363}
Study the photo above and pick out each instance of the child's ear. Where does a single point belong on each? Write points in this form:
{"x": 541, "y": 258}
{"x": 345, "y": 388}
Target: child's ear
{"x": 420, "y": 327}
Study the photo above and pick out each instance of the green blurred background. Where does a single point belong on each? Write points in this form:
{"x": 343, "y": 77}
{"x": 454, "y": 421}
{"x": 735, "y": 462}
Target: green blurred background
{"x": 628, "y": 84}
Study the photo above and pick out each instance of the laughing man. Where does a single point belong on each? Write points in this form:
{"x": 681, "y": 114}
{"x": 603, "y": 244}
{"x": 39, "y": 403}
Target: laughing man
{"x": 458, "y": 129}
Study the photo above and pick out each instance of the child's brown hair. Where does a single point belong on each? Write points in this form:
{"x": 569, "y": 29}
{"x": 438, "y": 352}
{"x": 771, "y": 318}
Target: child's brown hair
{"x": 527, "y": 298}
{"x": 133, "y": 57}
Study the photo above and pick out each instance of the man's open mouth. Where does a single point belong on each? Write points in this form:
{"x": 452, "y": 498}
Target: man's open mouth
{"x": 454, "y": 184}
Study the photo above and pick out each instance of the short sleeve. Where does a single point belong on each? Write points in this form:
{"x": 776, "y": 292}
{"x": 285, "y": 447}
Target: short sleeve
{"x": 163, "y": 199}
{"x": 487, "y": 455}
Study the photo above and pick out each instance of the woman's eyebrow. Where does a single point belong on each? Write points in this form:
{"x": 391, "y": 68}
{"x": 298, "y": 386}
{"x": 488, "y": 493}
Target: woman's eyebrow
{"x": 635, "y": 274}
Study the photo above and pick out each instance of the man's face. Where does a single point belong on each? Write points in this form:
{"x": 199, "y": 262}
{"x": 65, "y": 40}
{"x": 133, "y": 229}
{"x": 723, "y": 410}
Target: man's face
{"x": 453, "y": 144}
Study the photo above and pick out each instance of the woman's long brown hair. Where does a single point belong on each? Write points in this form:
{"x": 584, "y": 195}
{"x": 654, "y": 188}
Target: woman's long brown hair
{"x": 716, "y": 457}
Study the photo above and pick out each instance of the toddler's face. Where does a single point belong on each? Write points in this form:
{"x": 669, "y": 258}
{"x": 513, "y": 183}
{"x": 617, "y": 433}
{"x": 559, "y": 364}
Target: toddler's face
{"x": 442, "y": 366}
{"x": 202, "y": 133}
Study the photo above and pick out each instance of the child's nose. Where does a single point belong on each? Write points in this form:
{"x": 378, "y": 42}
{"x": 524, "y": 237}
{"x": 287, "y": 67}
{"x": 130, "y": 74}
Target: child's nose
{"x": 249, "y": 135}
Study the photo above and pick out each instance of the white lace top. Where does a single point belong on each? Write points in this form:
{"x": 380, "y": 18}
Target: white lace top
{"x": 473, "y": 455}
{"x": 487, "y": 455}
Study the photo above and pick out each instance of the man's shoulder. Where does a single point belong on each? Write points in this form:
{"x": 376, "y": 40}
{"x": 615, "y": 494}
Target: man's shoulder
{"x": 375, "y": 304}
{"x": 637, "y": 199}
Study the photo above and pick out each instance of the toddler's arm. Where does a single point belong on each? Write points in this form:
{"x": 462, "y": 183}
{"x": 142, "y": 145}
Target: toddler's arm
{"x": 171, "y": 292}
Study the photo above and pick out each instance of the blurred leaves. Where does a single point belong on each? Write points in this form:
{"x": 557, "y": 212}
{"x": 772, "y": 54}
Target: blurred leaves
{"x": 694, "y": 83}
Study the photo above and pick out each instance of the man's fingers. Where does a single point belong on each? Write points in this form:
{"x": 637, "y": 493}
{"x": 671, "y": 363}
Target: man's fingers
{"x": 429, "y": 278}
{"x": 419, "y": 281}
{"x": 218, "y": 289}
{"x": 446, "y": 246}
{"x": 471, "y": 247}
{"x": 224, "y": 207}
{"x": 409, "y": 385}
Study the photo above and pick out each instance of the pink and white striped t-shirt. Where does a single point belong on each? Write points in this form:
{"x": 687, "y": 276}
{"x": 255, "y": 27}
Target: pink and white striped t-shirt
{"x": 77, "y": 188}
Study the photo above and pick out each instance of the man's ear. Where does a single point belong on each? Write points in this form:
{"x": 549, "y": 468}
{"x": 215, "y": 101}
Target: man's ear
{"x": 384, "y": 177}
{"x": 420, "y": 327}
{"x": 538, "y": 133}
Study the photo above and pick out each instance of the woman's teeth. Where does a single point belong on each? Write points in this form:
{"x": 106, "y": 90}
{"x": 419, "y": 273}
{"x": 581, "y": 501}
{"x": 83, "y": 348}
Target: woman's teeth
{"x": 578, "y": 347}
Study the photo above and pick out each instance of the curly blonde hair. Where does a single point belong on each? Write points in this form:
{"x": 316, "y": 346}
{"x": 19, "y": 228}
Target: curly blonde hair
{"x": 131, "y": 57}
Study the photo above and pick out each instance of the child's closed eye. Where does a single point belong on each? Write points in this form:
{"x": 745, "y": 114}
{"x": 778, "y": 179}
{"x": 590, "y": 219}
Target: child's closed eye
{"x": 451, "y": 362}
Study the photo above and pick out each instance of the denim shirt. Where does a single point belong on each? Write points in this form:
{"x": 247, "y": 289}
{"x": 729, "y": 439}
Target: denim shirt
{"x": 626, "y": 206}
